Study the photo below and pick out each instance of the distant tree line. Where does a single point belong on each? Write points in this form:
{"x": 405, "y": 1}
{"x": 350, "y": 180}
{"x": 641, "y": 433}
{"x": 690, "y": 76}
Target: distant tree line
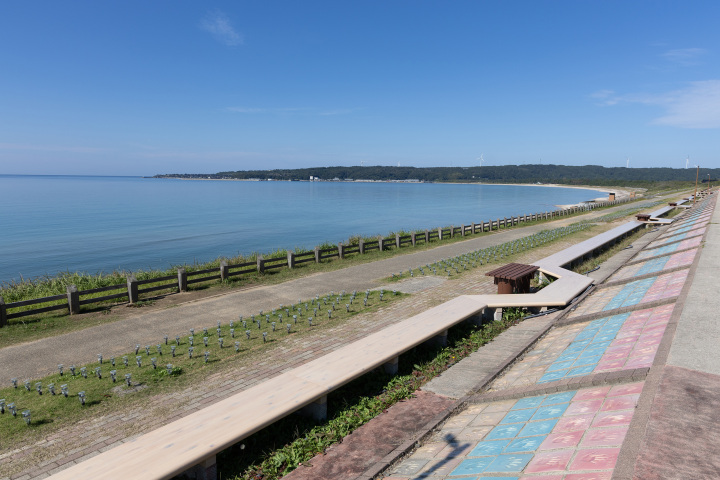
{"x": 562, "y": 174}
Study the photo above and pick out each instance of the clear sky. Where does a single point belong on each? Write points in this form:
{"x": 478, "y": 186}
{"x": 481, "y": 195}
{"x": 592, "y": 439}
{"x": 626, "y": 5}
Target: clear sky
{"x": 146, "y": 87}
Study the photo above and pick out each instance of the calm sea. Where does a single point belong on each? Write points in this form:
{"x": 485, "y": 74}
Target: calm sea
{"x": 50, "y": 224}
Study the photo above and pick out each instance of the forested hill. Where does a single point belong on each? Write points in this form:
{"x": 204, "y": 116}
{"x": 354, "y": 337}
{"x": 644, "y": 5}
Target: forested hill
{"x": 572, "y": 175}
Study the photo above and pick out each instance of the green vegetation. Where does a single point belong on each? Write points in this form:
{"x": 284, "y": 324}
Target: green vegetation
{"x": 280, "y": 448}
{"x": 655, "y": 178}
{"x": 248, "y": 338}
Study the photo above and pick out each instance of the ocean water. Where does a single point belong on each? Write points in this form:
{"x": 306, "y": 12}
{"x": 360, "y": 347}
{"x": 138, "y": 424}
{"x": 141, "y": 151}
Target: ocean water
{"x": 50, "y": 224}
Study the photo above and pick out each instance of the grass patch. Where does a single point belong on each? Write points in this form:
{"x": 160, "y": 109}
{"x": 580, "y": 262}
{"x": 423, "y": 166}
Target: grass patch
{"x": 252, "y": 340}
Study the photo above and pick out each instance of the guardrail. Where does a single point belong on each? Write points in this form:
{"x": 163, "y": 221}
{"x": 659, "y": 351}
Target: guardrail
{"x": 72, "y": 300}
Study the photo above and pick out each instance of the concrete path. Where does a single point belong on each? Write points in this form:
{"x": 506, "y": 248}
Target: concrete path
{"x": 39, "y": 358}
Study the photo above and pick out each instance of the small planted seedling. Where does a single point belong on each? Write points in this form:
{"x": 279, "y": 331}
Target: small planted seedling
{"x": 247, "y": 334}
{"x": 205, "y": 331}
{"x": 190, "y": 352}
{"x": 64, "y": 389}
{"x": 191, "y": 340}
{"x": 220, "y": 342}
{"x": 26, "y": 416}
{"x": 159, "y": 349}
{"x": 264, "y": 337}
{"x": 128, "y": 379}
{"x": 51, "y": 388}
{"x": 237, "y": 347}
{"x": 154, "y": 363}
{"x": 347, "y": 308}
{"x": 60, "y": 368}
{"x": 205, "y": 340}
{"x": 147, "y": 350}
{"x": 112, "y": 361}
{"x": 13, "y": 409}
{"x": 177, "y": 339}
{"x": 273, "y": 326}
{"x": 192, "y": 331}
{"x": 295, "y": 319}
{"x": 166, "y": 339}
{"x": 98, "y": 372}
{"x": 219, "y": 331}
{"x": 83, "y": 372}
{"x": 329, "y": 314}
{"x": 100, "y": 358}
{"x": 14, "y": 382}
{"x": 27, "y": 385}
{"x": 138, "y": 360}
{"x": 38, "y": 388}
{"x": 232, "y": 333}
{"x": 244, "y": 323}
{"x": 169, "y": 368}
{"x": 137, "y": 349}
{"x": 310, "y": 321}
{"x": 2, "y": 405}
{"x": 81, "y": 396}
{"x": 125, "y": 361}
{"x": 172, "y": 350}
{"x": 207, "y": 356}
{"x": 289, "y": 326}
{"x": 113, "y": 375}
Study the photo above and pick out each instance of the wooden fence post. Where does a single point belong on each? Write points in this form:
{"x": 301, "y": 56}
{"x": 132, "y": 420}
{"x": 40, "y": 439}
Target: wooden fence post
{"x": 439, "y": 233}
{"x": 397, "y": 240}
{"x": 73, "y": 297}
{"x": 452, "y": 231}
{"x": 317, "y": 254}
{"x": 361, "y": 246}
{"x": 3, "y": 313}
{"x": 412, "y": 238}
{"x": 224, "y": 270}
{"x": 462, "y": 230}
{"x": 132, "y": 287}
{"x": 427, "y": 237}
{"x": 380, "y": 243}
{"x": 261, "y": 264}
{"x": 182, "y": 280}
{"x": 291, "y": 260}
{"x": 341, "y": 250}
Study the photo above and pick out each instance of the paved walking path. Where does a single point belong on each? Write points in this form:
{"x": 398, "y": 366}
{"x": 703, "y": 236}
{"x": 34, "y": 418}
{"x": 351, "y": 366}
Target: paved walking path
{"x": 626, "y": 385}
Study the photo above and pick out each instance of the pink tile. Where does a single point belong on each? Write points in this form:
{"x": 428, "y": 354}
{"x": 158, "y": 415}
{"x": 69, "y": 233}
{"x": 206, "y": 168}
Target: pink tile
{"x": 549, "y": 461}
{"x": 595, "y": 459}
{"x": 604, "y": 437}
{"x": 574, "y": 423}
{"x": 626, "y": 389}
{"x": 616, "y": 355}
{"x": 588, "y": 476}
{"x": 543, "y": 477}
{"x": 610, "y": 365}
{"x": 625, "y": 349}
{"x": 585, "y": 407}
{"x": 591, "y": 393}
{"x": 612, "y": 419}
{"x": 561, "y": 440}
{"x": 625, "y": 337}
{"x": 640, "y": 362}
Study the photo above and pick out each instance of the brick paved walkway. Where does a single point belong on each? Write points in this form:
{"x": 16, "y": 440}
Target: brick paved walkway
{"x": 579, "y": 403}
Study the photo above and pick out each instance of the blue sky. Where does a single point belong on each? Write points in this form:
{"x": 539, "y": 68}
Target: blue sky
{"x": 147, "y": 87}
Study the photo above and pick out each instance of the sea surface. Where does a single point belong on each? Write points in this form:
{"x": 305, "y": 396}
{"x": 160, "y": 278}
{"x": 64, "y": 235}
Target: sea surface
{"x": 50, "y": 224}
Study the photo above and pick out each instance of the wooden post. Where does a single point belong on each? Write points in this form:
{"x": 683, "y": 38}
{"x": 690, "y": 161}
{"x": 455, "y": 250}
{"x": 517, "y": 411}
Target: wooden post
{"x": 462, "y": 230}
{"x": 361, "y": 246}
{"x": 224, "y": 270}
{"x": 397, "y": 240}
{"x": 472, "y": 227}
{"x": 412, "y": 238}
{"x": 452, "y": 231}
{"x": 132, "y": 288}
{"x": 290, "y": 260}
{"x": 3, "y": 313}
{"x": 73, "y": 299}
{"x": 439, "y": 233}
{"x": 341, "y": 250}
{"x": 261, "y": 263}
{"x": 380, "y": 243}
{"x": 427, "y": 237}
{"x": 317, "y": 254}
{"x": 182, "y": 280}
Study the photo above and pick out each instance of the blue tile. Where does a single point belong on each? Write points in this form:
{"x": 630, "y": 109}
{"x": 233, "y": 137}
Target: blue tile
{"x": 537, "y": 428}
{"x": 504, "y": 431}
{"x": 560, "y": 366}
{"x": 566, "y": 357}
{"x": 488, "y": 448}
{"x": 526, "y": 444}
{"x": 530, "y": 402}
{"x": 551, "y": 411}
{"x": 473, "y": 466}
{"x": 577, "y": 371}
{"x": 552, "y": 376}
{"x": 515, "y": 462}
{"x": 515, "y": 416}
{"x": 562, "y": 397}
{"x": 589, "y": 360}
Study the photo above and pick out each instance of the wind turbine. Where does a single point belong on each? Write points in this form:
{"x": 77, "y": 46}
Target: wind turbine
{"x": 627, "y": 163}
{"x": 687, "y": 161}
{"x": 481, "y": 159}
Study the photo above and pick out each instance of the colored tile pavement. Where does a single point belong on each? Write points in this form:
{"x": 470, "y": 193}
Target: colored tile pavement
{"x": 665, "y": 286}
{"x": 668, "y": 262}
{"x": 697, "y": 231}
{"x": 568, "y": 435}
